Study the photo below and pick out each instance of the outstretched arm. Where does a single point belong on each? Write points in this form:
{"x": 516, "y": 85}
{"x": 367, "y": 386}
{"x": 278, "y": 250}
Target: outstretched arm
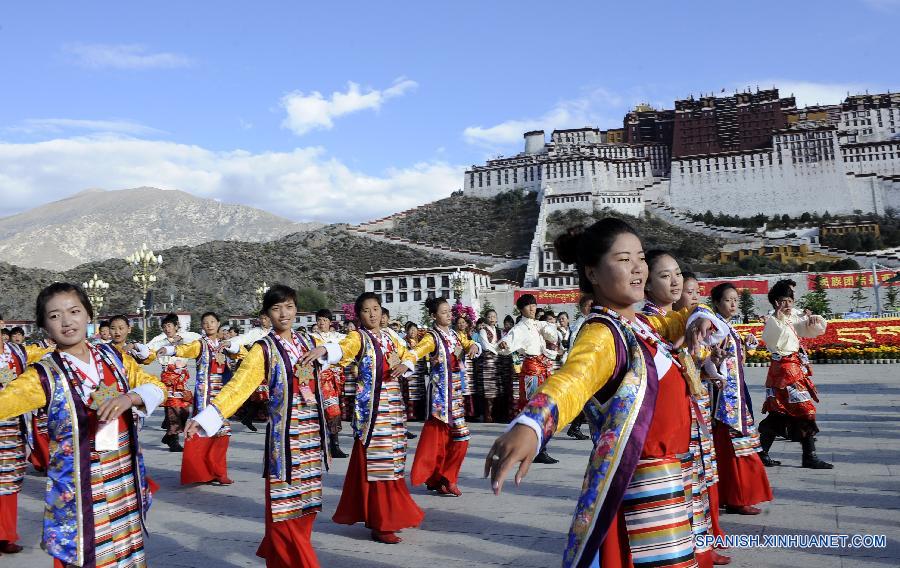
{"x": 23, "y": 394}
{"x": 243, "y": 384}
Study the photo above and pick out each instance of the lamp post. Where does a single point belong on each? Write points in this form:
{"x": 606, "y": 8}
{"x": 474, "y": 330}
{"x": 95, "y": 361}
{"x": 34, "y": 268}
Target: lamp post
{"x": 458, "y": 284}
{"x": 260, "y": 292}
{"x": 144, "y": 266}
{"x": 96, "y": 291}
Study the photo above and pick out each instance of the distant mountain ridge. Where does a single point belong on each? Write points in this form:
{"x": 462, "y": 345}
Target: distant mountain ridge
{"x": 97, "y": 225}
{"x": 223, "y": 275}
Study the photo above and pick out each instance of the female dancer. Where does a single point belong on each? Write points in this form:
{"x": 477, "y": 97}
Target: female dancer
{"x": 14, "y": 358}
{"x": 530, "y": 337}
{"x": 445, "y": 436}
{"x": 790, "y": 390}
{"x": 375, "y": 490}
{"x": 488, "y": 376}
{"x": 205, "y": 460}
{"x": 97, "y": 493}
{"x": 644, "y": 428}
{"x": 296, "y": 445}
{"x": 664, "y": 282}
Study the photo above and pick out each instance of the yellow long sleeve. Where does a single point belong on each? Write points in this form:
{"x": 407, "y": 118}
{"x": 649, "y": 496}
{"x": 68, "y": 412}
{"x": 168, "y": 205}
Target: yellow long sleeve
{"x": 590, "y": 365}
{"x": 137, "y": 376}
{"x": 464, "y": 340}
{"x": 424, "y": 347}
{"x": 188, "y": 350}
{"x": 244, "y": 382}
{"x": 23, "y": 394}
{"x": 350, "y": 347}
{"x": 35, "y": 353}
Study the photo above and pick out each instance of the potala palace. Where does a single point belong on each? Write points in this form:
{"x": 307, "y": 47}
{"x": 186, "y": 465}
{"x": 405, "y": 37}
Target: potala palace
{"x": 744, "y": 154}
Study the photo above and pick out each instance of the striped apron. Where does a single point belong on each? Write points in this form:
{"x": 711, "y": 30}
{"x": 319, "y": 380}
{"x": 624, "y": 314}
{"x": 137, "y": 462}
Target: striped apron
{"x": 659, "y": 531}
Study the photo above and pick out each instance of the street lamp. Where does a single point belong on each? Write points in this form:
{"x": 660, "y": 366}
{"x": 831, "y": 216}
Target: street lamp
{"x": 96, "y": 291}
{"x": 144, "y": 266}
{"x": 260, "y": 292}
{"x": 458, "y": 284}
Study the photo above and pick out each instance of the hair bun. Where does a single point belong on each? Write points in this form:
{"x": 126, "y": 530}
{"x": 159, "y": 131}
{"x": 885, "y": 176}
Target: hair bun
{"x": 566, "y": 245}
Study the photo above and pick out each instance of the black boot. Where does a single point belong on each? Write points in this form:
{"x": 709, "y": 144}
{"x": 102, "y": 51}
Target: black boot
{"x": 166, "y": 439}
{"x": 574, "y": 431}
{"x": 336, "y": 451}
{"x": 544, "y": 457}
{"x": 174, "y": 444}
{"x": 766, "y": 441}
{"x": 810, "y": 459}
{"x": 410, "y": 435}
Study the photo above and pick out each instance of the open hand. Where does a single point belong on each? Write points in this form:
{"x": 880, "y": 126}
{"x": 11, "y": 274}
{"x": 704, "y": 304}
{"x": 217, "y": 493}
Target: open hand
{"x": 518, "y": 446}
{"x": 473, "y": 350}
{"x": 191, "y": 429}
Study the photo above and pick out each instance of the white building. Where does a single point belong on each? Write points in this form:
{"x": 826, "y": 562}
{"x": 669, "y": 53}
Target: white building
{"x": 404, "y": 290}
{"x": 871, "y": 118}
{"x": 807, "y": 169}
{"x": 575, "y": 161}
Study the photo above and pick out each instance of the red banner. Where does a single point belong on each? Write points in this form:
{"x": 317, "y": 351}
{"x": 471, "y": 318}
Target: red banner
{"x": 851, "y": 279}
{"x": 545, "y": 297}
{"x": 760, "y": 287}
{"x": 846, "y": 333}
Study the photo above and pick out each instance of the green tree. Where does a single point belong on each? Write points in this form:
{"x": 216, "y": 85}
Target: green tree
{"x": 816, "y": 300}
{"x": 311, "y": 299}
{"x": 426, "y": 320}
{"x": 488, "y": 306}
{"x": 858, "y": 297}
{"x": 891, "y": 299}
{"x": 746, "y": 305}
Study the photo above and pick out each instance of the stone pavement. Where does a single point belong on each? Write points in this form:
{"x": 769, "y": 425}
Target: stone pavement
{"x": 209, "y": 526}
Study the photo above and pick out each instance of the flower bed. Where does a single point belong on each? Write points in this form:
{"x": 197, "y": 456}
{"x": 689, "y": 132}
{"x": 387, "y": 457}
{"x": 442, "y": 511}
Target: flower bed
{"x": 873, "y": 341}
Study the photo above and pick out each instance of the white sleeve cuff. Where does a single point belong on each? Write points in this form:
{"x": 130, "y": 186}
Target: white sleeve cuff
{"x": 167, "y": 350}
{"x": 333, "y": 355}
{"x": 721, "y": 327}
{"x": 152, "y": 396}
{"x": 531, "y": 423}
{"x": 209, "y": 420}
{"x": 140, "y": 351}
{"x": 233, "y": 347}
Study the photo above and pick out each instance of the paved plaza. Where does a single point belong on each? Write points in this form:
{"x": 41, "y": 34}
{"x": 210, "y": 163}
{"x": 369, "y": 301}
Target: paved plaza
{"x": 209, "y": 526}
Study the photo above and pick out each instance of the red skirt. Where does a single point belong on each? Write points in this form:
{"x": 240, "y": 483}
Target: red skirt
{"x": 384, "y": 506}
{"x": 438, "y": 458}
{"x": 742, "y": 480}
{"x": 204, "y": 459}
{"x": 40, "y": 456}
{"x": 9, "y": 505}
{"x": 786, "y": 374}
{"x": 287, "y": 544}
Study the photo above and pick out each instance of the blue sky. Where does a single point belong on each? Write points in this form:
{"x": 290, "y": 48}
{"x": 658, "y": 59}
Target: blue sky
{"x": 220, "y": 98}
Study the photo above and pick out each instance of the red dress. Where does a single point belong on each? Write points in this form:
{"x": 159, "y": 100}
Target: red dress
{"x": 205, "y": 459}
{"x": 438, "y": 456}
{"x": 384, "y": 506}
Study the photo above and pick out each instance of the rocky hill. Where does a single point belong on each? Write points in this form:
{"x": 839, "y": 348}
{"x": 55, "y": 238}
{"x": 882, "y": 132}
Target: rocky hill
{"x": 223, "y": 275}
{"x": 503, "y": 224}
{"x": 96, "y": 225}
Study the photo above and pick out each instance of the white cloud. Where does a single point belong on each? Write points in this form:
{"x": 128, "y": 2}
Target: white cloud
{"x": 59, "y": 125}
{"x": 810, "y": 92}
{"x": 123, "y": 56}
{"x": 306, "y": 112}
{"x": 594, "y": 108}
{"x": 302, "y": 184}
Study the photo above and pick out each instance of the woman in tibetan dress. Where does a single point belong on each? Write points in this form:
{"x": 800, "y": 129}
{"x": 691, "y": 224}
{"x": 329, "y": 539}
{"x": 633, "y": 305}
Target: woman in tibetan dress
{"x": 636, "y": 506}
{"x": 375, "y": 491}
{"x": 445, "y": 436}
{"x": 296, "y": 436}
{"x": 97, "y": 492}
